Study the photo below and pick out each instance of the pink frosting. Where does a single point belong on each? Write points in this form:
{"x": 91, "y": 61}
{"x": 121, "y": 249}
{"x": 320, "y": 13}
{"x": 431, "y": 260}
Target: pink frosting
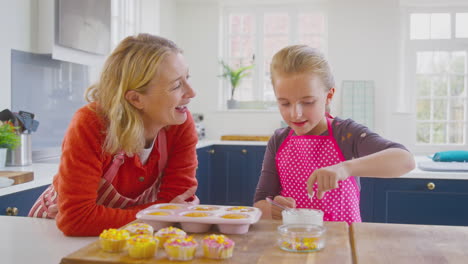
{"x": 211, "y": 241}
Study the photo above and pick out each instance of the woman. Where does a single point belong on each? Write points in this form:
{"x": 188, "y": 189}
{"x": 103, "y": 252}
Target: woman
{"x": 132, "y": 146}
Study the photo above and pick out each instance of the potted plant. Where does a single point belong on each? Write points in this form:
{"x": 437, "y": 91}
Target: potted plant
{"x": 234, "y": 76}
{"x": 9, "y": 139}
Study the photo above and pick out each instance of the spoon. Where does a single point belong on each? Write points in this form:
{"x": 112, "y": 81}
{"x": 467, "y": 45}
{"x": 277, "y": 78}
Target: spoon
{"x": 291, "y": 210}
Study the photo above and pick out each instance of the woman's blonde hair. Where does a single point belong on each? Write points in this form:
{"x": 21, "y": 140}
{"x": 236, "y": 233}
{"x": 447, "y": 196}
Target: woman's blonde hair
{"x": 131, "y": 66}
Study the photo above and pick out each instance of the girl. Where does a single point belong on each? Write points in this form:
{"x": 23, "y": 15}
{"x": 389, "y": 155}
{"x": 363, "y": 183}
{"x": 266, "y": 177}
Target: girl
{"x": 134, "y": 145}
{"x": 309, "y": 163}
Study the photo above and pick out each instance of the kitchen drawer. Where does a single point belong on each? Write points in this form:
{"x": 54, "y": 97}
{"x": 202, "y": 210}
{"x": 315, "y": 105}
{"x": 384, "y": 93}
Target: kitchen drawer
{"x": 415, "y": 201}
{"x": 22, "y": 201}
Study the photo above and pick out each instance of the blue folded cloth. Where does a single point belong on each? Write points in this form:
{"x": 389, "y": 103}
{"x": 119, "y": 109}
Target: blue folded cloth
{"x": 452, "y": 155}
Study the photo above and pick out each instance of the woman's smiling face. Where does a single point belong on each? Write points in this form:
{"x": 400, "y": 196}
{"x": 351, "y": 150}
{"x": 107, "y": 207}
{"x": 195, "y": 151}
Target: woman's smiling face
{"x": 168, "y": 93}
{"x": 302, "y": 100}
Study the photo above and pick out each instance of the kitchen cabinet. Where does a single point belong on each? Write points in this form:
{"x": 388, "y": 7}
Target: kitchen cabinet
{"x": 22, "y": 201}
{"x": 228, "y": 174}
{"x": 204, "y": 174}
{"x": 415, "y": 201}
{"x": 235, "y": 173}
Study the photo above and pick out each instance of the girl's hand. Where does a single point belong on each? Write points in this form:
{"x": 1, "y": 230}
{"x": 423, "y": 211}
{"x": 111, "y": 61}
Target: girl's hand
{"x": 186, "y": 195}
{"x": 327, "y": 179}
{"x": 285, "y": 201}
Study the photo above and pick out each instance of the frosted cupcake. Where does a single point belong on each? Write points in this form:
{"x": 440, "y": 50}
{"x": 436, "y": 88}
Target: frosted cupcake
{"x": 181, "y": 248}
{"x": 139, "y": 229}
{"x": 113, "y": 240}
{"x": 217, "y": 247}
{"x": 142, "y": 246}
{"x": 164, "y": 234}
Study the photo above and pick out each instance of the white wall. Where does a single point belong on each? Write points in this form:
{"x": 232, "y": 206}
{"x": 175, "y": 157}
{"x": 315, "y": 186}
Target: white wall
{"x": 363, "y": 45}
{"x": 16, "y": 20}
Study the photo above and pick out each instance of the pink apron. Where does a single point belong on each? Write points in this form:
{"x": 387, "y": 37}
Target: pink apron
{"x": 298, "y": 157}
{"x": 46, "y": 204}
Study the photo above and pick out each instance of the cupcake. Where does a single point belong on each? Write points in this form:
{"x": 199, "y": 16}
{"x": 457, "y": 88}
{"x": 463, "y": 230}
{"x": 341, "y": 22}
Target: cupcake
{"x": 205, "y": 208}
{"x": 197, "y": 214}
{"x": 113, "y": 240}
{"x": 181, "y": 248}
{"x": 170, "y": 207}
{"x": 234, "y": 216}
{"x": 217, "y": 247}
{"x": 241, "y": 209}
{"x": 142, "y": 246}
{"x": 139, "y": 229}
{"x": 158, "y": 213}
{"x": 165, "y": 233}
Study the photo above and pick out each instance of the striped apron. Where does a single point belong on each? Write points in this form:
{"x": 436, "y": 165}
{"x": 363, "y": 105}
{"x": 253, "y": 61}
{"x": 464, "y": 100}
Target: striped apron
{"x": 46, "y": 204}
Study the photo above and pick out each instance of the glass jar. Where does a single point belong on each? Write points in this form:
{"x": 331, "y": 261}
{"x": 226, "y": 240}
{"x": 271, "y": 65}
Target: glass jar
{"x": 301, "y": 238}
{"x": 303, "y": 216}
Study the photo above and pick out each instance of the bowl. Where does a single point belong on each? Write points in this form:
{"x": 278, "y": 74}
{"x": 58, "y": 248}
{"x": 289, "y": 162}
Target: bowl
{"x": 301, "y": 237}
{"x": 302, "y": 216}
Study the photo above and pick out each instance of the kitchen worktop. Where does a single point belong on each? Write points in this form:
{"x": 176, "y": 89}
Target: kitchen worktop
{"x": 33, "y": 240}
{"x": 44, "y": 172}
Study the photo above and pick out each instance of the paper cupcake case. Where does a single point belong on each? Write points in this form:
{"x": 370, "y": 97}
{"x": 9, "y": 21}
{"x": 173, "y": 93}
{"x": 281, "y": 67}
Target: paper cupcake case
{"x": 200, "y": 218}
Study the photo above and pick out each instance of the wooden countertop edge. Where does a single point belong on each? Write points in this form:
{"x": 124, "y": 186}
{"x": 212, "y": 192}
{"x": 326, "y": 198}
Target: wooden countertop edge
{"x": 352, "y": 243}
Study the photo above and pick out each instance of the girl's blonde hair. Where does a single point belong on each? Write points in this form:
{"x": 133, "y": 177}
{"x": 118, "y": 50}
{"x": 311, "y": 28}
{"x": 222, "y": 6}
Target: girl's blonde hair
{"x": 299, "y": 59}
{"x": 131, "y": 66}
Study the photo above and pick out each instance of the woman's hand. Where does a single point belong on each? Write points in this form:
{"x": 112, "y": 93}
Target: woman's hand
{"x": 186, "y": 195}
{"x": 327, "y": 179}
{"x": 285, "y": 201}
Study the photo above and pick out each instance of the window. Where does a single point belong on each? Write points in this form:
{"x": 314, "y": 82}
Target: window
{"x": 437, "y": 70}
{"x": 124, "y": 19}
{"x": 253, "y": 34}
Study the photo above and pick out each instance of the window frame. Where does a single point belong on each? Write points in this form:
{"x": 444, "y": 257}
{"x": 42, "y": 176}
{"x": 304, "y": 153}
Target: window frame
{"x": 407, "y": 101}
{"x": 258, "y": 10}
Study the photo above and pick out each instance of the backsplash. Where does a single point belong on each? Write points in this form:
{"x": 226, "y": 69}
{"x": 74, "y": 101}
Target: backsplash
{"x": 51, "y": 89}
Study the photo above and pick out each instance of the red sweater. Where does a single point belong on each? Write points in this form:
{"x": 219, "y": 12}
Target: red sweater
{"x": 83, "y": 164}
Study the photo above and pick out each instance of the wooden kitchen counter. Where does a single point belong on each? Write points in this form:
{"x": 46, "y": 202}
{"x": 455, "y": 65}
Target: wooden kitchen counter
{"x": 259, "y": 245}
{"x": 412, "y": 244}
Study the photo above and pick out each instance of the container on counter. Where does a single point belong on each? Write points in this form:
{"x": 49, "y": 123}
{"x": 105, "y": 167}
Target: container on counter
{"x": 200, "y": 218}
{"x": 303, "y": 216}
{"x": 301, "y": 237}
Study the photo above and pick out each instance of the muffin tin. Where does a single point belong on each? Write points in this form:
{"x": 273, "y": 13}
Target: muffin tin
{"x": 200, "y": 218}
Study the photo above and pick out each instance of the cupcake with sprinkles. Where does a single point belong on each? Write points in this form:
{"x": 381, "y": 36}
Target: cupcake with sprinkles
{"x": 113, "y": 240}
{"x": 142, "y": 246}
{"x": 164, "y": 234}
{"x": 217, "y": 247}
{"x": 181, "y": 248}
{"x": 139, "y": 229}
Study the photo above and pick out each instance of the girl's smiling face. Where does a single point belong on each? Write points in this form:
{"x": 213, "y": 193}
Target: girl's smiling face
{"x": 302, "y": 100}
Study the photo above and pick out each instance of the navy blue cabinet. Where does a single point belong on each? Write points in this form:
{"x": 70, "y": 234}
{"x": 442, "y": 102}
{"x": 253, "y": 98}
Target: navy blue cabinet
{"x": 22, "y": 201}
{"x": 415, "y": 201}
{"x": 229, "y": 173}
{"x": 204, "y": 174}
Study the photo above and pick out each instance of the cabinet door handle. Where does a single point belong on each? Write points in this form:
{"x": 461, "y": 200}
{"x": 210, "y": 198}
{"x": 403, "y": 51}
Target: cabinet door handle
{"x": 13, "y": 211}
{"x": 430, "y": 186}
{"x": 211, "y": 151}
{"x": 244, "y": 151}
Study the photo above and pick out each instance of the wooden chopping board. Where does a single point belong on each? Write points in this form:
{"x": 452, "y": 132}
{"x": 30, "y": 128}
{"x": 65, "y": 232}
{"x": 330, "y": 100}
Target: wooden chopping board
{"x": 257, "y": 246}
{"x": 18, "y": 176}
{"x": 412, "y": 244}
